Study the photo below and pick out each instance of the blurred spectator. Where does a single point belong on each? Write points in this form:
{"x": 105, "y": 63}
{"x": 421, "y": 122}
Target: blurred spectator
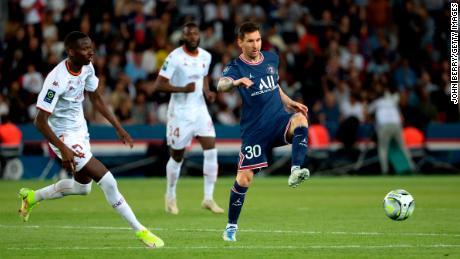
{"x": 4, "y": 108}
{"x": 134, "y": 69}
{"x": 32, "y": 82}
{"x": 404, "y": 76}
{"x": 351, "y": 58}
{"x": 141, "y": 111}
{"x": 124, "y": 112}
{"x": 352, "y": 114}
{"x": 388, "y": 126}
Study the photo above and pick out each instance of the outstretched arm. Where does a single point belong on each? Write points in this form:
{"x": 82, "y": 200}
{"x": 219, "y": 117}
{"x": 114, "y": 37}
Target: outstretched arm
{"x": 292, "y": 105}
{"x": 226, "y": 84}
{"x": 98, "y": 102}
{"x": 162, "y": 84}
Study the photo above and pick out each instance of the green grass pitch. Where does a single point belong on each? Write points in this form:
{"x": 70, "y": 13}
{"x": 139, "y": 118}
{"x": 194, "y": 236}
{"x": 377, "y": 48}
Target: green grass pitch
{"x": 339, "y": 217}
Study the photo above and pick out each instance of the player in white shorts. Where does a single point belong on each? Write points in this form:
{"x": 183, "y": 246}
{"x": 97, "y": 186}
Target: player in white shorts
{"x": 60, "y": 119}
{"x": 184, "y": 75}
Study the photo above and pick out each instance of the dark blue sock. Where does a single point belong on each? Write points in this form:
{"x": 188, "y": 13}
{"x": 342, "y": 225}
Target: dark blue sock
{"x": 237, "y": 194}
{"x": 299, "y": 146}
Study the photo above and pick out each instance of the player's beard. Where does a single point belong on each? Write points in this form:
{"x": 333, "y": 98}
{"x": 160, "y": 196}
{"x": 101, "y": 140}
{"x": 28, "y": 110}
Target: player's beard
{"x": 189, "y": 46}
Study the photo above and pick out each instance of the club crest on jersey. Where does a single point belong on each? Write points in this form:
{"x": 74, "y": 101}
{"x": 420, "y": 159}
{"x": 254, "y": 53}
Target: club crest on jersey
{"x": 270, "y": 70}
{"x": 49, "y": 96}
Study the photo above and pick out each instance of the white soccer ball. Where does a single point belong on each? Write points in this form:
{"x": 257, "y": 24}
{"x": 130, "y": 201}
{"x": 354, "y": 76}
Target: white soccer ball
{"x": 399, "y": 204}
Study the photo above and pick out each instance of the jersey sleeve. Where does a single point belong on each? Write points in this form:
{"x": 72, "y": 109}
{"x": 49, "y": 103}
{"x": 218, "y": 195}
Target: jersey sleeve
{"x": 168, "y": 67}
{"x": 231, "y": 72}
{"x": 91, "y": 81}
{"x": 49, "y": 95}
{"x": 207, "y": 64}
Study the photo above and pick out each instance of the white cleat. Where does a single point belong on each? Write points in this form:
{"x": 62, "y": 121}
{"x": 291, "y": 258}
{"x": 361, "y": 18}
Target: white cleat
{"x": 298, "y": 176}
{"x": 212, "y": 206}
{"x": 171, "y": 206}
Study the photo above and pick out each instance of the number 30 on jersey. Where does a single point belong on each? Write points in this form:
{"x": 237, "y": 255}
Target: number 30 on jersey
{"x": 252, "y": 151}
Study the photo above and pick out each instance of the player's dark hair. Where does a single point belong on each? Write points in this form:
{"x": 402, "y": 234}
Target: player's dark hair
{"x": 71, "y": 39}
{"x": 189, "y": 25}
{"x": 247, "y": 27}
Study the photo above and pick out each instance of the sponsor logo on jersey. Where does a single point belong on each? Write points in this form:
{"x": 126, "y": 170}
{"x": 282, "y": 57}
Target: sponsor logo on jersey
{"x": 266, "y": 84}
{"x": 49, "y": 96}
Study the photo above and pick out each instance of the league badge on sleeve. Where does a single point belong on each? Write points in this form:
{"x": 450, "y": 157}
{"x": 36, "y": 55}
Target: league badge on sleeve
{"x": 165, "y": 66}
{"x": 49, "y": 96}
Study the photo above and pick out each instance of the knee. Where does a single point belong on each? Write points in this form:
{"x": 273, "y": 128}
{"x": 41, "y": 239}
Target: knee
{"x": 299, "y": 120}
{"x": 108, "y": 182}
{"x": 244, "y": 178}
{"x": 210, "y": 156}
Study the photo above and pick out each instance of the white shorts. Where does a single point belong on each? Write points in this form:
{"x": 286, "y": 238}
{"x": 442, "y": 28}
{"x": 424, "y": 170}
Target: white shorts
{"x": 180, "y": 132}
{"x": 79, "y": 144}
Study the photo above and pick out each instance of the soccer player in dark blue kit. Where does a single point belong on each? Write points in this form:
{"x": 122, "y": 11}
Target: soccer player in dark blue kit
{"x": 269, "y": 118}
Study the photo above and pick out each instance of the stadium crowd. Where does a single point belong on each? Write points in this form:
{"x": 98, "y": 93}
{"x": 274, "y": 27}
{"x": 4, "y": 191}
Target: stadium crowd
{"x": 335, "y": 55}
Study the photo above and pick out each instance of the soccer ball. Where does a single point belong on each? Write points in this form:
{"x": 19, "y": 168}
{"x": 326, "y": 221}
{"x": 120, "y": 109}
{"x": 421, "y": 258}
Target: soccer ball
{"x": 398, "y": 204}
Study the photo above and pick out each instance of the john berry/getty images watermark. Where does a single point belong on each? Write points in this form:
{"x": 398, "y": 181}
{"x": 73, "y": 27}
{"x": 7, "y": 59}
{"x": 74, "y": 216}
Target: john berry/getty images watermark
{"x": 454, "y": 53}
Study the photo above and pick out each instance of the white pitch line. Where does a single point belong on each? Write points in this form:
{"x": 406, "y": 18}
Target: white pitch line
{"x": 245, "y": 247}
{"x": 297, "y": 232}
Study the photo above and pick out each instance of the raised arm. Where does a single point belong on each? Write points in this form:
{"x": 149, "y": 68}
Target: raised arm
{"x": 98, "y": 102}
{"x": 162, "y": 84}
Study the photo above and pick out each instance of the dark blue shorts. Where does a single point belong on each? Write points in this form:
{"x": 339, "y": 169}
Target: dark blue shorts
{"x": 254, "y": 148}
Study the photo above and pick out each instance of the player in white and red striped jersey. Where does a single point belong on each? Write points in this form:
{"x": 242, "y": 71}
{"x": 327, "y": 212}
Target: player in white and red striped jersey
{"x": 60, "y": 119}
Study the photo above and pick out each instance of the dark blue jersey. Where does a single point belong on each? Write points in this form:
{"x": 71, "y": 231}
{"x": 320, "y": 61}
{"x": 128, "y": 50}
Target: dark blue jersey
{"x": 262, "y": 101}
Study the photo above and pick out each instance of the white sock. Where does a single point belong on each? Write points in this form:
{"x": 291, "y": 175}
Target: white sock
{"x": 108, "y": 185}
{"x": 210, "y": 168}
{"x": 294, "y": 167}
{"x": 62, "y": 188}
{"x": 232, "y": 225}
{"x": 172, "y": 176}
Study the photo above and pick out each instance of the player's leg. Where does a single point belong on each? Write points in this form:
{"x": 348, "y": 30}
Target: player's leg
{"x": 298, "y": 133}
{"x": 78, "y": 185}
{"x": 383, "y": 142}
{"x": 179, "y": 135}
{"x": 104, "y": 178}
{"x": 64, "y": 187}
{"x": 237, "y": 195}
{"x": 172, "y": 176}
{"x": 210, "y": 169}
{"x": 397, "y": 133}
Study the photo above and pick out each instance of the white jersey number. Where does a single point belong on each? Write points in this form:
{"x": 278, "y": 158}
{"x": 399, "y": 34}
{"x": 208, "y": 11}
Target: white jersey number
{"x": 253, "y": 151}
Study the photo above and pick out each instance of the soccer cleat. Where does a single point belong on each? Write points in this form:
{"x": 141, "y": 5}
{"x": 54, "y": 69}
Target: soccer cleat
{"x": 212, "y": 206}
{"x": 298, "y": 176}
{"x": 149, "y": 239}
{"x": 229, "y": 234}
{"x": 27, "y": 197}
{"x": 171, "y": 206}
